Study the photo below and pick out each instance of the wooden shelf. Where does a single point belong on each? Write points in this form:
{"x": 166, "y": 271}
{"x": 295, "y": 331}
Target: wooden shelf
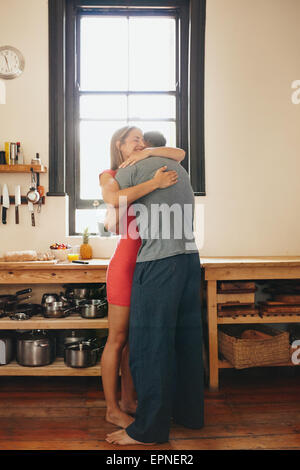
{"x": 224, "y": 364}
{"x": 57, "y": 368}
{"x": 37, "y": 322}
{"x": 22, "y": 168}
{"x": 257, "y": 319}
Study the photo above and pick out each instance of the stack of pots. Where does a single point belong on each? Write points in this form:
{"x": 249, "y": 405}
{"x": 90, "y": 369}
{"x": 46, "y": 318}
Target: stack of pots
{"x": 81, "y": 298}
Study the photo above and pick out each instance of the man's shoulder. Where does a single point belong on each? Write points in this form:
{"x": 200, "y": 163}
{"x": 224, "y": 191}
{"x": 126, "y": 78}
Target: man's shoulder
{"x": 125, "y": 176}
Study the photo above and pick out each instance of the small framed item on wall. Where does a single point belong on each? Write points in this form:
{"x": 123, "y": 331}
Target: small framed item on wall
{"x": 12, "y": 62}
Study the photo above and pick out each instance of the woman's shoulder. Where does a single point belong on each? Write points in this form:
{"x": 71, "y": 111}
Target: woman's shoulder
{"x": 110, "y": 172}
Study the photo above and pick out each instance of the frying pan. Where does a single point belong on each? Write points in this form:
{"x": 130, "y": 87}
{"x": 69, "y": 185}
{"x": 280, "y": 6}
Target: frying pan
{"x": 8, "y": 302}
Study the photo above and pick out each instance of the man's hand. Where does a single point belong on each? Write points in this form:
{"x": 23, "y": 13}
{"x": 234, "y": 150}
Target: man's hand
{"x": 136, "y": 156}
{"x": 164, "y": 179}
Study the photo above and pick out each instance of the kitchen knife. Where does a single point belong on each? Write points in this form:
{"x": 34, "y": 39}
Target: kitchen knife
{"x": 17, "y": 202}
{"x": 5, "y": 203}
{"x": 31, "y": 210}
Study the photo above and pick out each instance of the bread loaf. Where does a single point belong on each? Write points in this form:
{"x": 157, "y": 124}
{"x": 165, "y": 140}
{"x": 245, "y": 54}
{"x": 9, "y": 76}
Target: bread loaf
{"x": 14, "y": 256}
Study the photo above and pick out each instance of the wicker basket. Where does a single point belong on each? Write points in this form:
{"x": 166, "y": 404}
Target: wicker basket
{"x": 244, "y": 353}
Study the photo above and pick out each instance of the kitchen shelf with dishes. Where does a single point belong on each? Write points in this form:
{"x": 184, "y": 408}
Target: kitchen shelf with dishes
{"x": 65, "y": 334}
{"x": 244, "y": 337}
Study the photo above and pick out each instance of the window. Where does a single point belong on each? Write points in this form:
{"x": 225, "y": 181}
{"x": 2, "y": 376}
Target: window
{"x": 121, "y": 63}
{"x": 126, "y": 76}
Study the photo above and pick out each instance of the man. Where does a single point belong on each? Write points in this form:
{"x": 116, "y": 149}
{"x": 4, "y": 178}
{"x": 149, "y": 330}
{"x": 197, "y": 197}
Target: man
{"x": 165, "y": 332}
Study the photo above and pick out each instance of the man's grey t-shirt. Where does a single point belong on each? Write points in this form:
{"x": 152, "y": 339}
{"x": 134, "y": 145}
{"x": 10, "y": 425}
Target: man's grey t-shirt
{"x": 165, "y": 216}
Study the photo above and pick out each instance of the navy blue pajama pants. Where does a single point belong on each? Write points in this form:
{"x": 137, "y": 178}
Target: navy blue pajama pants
{"x": 165, "y": 344}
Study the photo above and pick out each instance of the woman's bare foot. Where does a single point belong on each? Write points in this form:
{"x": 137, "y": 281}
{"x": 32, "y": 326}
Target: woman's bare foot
{"x": 121, "y": 438}
{"x": 128, "y": 407}
{"x": 119, "y": 418}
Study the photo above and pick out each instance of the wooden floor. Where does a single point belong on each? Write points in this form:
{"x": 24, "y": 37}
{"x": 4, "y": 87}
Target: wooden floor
{"x": 255, "y": 409}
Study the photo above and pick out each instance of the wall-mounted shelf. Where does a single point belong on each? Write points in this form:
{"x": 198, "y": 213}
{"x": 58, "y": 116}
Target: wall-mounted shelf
{"x": 22, "y": 168}
{"x": 23, "y": 200}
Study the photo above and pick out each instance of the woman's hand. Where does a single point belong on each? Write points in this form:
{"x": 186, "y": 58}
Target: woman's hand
{"x": 136, "y": 156}
{"x": 164, "y": 178}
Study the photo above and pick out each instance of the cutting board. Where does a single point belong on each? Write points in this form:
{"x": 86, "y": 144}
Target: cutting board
{"x": 27, "y": 263}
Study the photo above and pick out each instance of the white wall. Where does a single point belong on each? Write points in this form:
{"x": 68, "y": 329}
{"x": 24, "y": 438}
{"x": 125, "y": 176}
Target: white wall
{"x": 251, "y": 128}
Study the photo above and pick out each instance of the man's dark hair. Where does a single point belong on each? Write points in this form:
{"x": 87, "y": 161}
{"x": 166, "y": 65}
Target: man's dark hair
{"x": 154, "y": 139}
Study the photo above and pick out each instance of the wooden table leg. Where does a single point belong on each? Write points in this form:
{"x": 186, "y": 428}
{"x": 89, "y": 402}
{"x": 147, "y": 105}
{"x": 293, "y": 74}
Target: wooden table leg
{"x": 212, "y": 335}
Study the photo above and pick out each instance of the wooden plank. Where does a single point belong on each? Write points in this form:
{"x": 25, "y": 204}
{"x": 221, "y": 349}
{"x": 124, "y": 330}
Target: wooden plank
{"x": 58, "y": 368}
{"x": 31, "y": 273}
{"x": 256, "y": 319}
{"x": 241, "y": 261}
{"x": 22, "y": 168}
{"x": 212, "y": 334}
{"x": 246, "y": 298}
{"x": 53, "y": 276}
{"x": 41, "y": 323}
{"x": 36, "y": 264}
{"x": 253, "y": 272}
{"x": 96, "y": 263}
{"x": 223, "y": 364}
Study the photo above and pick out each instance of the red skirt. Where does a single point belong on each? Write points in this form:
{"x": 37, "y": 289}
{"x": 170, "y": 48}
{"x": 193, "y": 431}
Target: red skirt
{"x": 120, "y": 272}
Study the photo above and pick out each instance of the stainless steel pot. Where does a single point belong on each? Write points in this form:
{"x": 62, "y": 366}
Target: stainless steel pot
{"x": 35, "y": 349}
{"x": 93, "y": 309}
{"x": 78, "y": 302}
{"x": 66, "y": 337}
{"x": 56, "y": 310}
{"x": 77, "y": 292}
{"x": 82, "y": 354}
{"x": 49, "y": 298}
{"x": 7, "y": 348}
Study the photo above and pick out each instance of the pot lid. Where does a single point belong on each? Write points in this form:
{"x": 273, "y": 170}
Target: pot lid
{"x": 34, "y": 335}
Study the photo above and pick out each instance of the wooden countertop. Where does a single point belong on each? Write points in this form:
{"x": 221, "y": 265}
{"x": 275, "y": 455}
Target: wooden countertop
{"x": 34, "y": 272}
{"x": 97, "y": 263}
{"x": 250, "y": 261}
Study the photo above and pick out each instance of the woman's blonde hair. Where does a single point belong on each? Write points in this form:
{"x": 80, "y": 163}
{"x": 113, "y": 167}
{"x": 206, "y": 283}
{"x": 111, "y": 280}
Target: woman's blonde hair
{"x": 116, "y": 157}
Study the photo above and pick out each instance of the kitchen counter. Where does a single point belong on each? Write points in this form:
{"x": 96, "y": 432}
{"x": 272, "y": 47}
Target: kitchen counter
{"x": 48, "y": 273}
{"x": 35, "y": 272}
{"x": 235, "y": 268}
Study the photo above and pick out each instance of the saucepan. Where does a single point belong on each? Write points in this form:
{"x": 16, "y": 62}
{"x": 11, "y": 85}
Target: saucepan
{"x": 93, "y": 308}
{"x": 56, "y": 310}
{"x": 82, "y": 354}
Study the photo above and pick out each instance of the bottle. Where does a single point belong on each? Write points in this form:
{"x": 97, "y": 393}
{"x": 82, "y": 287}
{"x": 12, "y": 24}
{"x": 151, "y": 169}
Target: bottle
{"x": 7, "y": 152}
{"x": 20, "y": 154}
{"x": 13, "y": 153}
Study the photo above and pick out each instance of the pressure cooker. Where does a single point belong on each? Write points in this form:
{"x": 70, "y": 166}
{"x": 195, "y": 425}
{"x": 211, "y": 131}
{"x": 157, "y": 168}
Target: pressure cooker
{"x": 35, "y": 348}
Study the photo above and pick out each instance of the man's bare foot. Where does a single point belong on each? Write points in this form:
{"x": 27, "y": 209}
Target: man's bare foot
{"x": 121, "y": 438}
{"x": 119, "y": 418}
{"x": 128, "y": 407}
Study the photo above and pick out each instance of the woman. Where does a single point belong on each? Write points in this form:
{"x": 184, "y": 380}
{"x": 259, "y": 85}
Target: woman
{"x": 127, "y": 147}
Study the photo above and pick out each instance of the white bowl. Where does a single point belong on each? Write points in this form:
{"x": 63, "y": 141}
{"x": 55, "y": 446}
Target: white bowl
{"x": 60, "y": 254}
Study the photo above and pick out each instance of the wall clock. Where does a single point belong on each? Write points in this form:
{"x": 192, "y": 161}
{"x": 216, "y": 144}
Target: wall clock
{"x": 11, "y": 62}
